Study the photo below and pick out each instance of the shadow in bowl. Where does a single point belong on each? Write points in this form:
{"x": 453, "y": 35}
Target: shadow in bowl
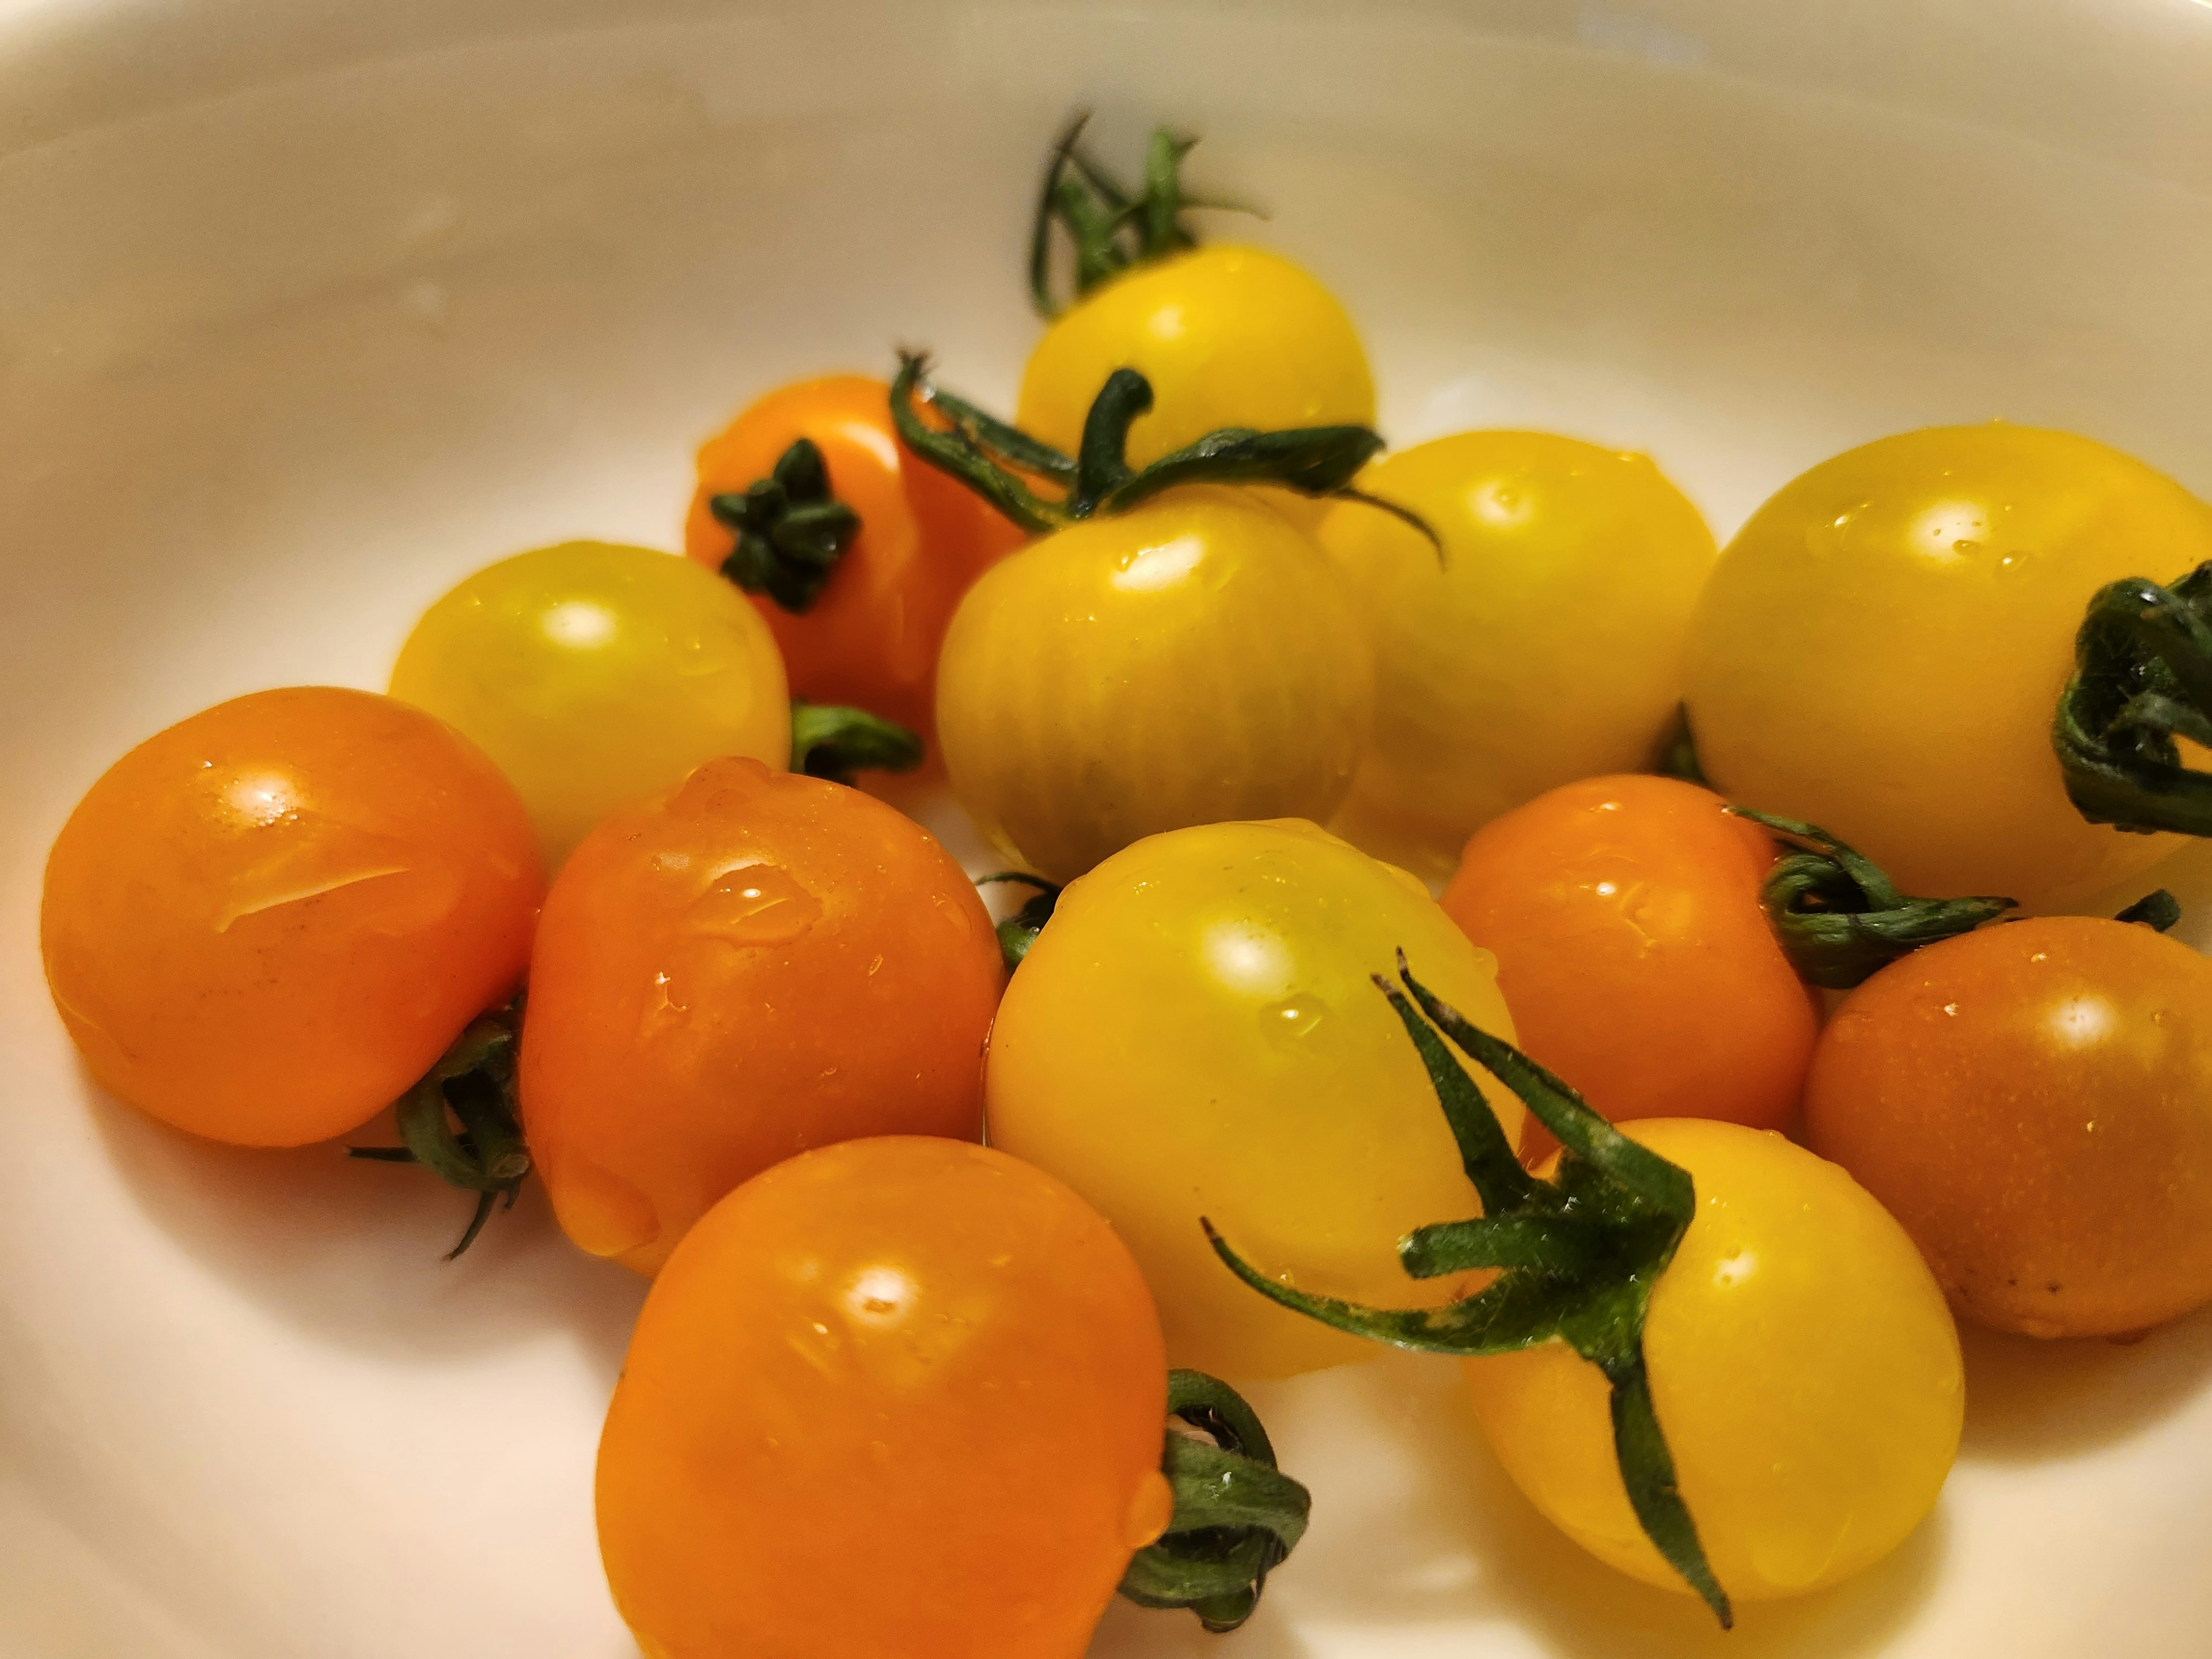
{"x": 351, "y": 1250}
{"x": 2028, "y": 1400}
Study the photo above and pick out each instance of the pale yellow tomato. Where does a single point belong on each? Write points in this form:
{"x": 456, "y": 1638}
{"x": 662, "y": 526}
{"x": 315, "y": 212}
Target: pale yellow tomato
{"x": 596, "y": 674}
{"x": 1191, "y": 660}
{"x": 1195, "y": 1033}
{"x": 1228, "y": 336}
{"x": 1543, "y": 646}
{"x": 1803, "y": 1366}
{"x": 1882, "y": 648}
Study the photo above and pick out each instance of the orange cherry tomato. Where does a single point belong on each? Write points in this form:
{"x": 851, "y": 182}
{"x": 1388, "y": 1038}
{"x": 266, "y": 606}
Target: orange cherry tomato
{"x": 1625, "y": 915}
{"x": 871, "y": 640}
{"x": 748, "y": 965}
{"x": 2033, "y": 1102}
{"x": 896, "y": 1399}
{"x": 263, "y": 924}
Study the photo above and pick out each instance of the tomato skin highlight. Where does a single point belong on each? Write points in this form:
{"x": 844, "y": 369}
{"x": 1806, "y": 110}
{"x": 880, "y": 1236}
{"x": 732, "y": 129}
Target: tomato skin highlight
{"x": 1195, "y": 1033}
{"x": 1229, "y": 336}
{"x": 1625, "y": 915}
{"x": 872, "y": 639}
{"x": 2033, "y": 1102}
{"x": 1805, "y": 1371}
{"x": 594, "y": 674}
{"x": 263, "y": 924}
{"x": 1883, "y": 644}
{"x": 748, "y": 965}
{"x": 1543, "y": 645}
{"x": 1194, "y": 661}
{"x": 894, "y": 1398}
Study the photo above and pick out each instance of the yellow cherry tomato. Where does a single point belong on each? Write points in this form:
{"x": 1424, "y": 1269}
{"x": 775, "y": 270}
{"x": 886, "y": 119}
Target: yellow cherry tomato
{"x": 596, "y": 674}
{"x": 1543, "y": 646}
{"x": 1228, "y": 336}
{"x": 1192, "y": 660}
{"x": 1803, "y": 1366}
{"x": 1882, "y": 647}
{"x": 1195, "y": 1033}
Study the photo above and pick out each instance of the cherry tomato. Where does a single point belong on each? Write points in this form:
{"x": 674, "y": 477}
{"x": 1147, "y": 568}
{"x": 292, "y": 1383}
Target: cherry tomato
{"x": 263, "y": 924}
{"x": 750, "y": 964}
{"x": 896, "y": 1399}
{"x": 1228, "y": 336}
{"x": 1625, "y": 915}
{"x": 1805, "y": 1371}
{"x": 1544, "y": 644}
{"x": 872, "y": 639}
{"x": 2034, "y": 1102}
{"x": 1883, "y": 644}
{"x": 1194, "y": 1033}
{"x": 1191, "y": 660}
{"x": 594, "y": 674}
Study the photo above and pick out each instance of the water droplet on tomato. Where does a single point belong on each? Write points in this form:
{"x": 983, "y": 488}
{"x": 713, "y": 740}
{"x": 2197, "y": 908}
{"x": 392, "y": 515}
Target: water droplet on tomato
{"x": 1293, "y": 1017}
{"x": 1151, "y": 1506}
{"x": 754, "y": 904}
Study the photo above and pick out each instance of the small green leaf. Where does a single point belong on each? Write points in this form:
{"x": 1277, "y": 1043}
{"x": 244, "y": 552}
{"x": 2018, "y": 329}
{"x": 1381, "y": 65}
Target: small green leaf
{"x": 2142, "y": 677}
{"x": 2158, "y": 910}
{"x": 1018, "y": 931}
{"x": 830, "y": 741}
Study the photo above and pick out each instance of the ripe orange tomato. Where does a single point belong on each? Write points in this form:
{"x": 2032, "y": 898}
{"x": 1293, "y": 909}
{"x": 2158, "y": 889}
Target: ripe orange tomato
{"x": 748, "y": 965}
{"x": 871, "y": 638}
{"x": 1625, "y": 915}
{"x": 263, "y": 924}
{"x": 895, "y": 1399}
{"x": 2033, "y": 1103}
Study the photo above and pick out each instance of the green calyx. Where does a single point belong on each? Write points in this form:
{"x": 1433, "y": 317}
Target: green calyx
{"x": 1019, "y": 931}
{"x": 2157, "y": 910}
{"x": 1678, "y": 752}
{"x": 1840, "y": 918}
{"x": 989, "y": 456}
{"x": 791, "y": 529}
{"x": 1237, "y": 1515}
{"x": 830, "y": 740}
{"x": 2142, "y": 677}
{"x": 1110, "y": 226}
{"x": 1576, "y": 1256}
{"x": 460, "y": 1122}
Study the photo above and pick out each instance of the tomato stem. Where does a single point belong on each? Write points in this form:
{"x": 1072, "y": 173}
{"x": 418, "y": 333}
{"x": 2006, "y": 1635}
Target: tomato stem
{"x": 1237, "y": 1515}
{"x": 1019, "y": 931}
{"x": 2157, "y": 910}
{"x": 2142, "y": 677}
{"x": 473, "y": 1083}
{"x": 996, "y": 460}
{"x": 837, "y": 742}
{"x": 1839, "y": 917}
{"x": 1110, "y": 226}
{"x": 792, "y": 529}
{"x": 1577, "y": 1256}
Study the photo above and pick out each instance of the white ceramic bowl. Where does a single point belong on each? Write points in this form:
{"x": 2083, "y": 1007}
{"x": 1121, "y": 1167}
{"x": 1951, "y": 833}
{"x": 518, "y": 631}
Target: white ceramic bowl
{"x": 308, "y": 309}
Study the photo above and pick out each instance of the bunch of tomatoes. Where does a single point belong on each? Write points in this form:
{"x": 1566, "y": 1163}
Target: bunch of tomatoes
{"x": 612, "y": 887}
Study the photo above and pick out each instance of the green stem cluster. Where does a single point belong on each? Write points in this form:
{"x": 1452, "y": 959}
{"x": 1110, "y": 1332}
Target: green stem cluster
{"x": 1019, "y": 931}
{"x": 1575, "y": 1256}
{"x": 1237, "y": 1515}
{"x": 1840, "y": 918}
{"x": 792, "y": 529}
{"x": 461, "y": 1120}
{"x": 2142, "y": 677}
{"x": 830, "y": 740}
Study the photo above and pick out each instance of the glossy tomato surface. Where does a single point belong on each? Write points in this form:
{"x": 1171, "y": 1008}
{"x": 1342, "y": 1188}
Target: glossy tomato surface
{"x": 1227, "y": 336}
{"x": 1883, "y": 644}
{"x": 1543, "y": 644}
{"x": 265, "y": 922}
{"x": 1196, "y": 1033}
{"x": 2034, "y": 1102}
{"x": 895, "y": 1399}
{"x": 871, "y": 639}
{"x": 1804, "y": 1369}
{"x": 1625, "y": 915}
{"x": 1192, "y": 660}
{"x": 594, "y": 674}
{"x": 745, "y": 966}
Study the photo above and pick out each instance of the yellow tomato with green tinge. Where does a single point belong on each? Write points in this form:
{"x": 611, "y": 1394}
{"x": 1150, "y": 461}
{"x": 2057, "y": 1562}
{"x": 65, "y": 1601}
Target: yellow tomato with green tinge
{"x": 595, "y": 674}
{"x": 1191, "y": 660}
{"x": 1196, "y": 1033}
{"x": 1543, "y": 645}
{"x": 1883, "y": 644}
{"x": 1228, "y": 336}
{"x": 1803, "y": 1366}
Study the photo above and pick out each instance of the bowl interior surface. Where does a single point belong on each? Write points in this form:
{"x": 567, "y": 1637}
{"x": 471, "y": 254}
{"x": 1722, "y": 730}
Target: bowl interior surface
{"x": 307, "y": 310}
